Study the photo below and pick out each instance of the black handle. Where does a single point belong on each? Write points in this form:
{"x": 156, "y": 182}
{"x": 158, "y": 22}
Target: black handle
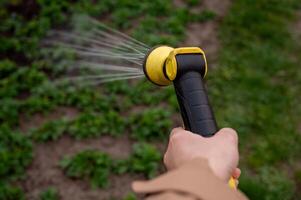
{"x": 194, "y": 104}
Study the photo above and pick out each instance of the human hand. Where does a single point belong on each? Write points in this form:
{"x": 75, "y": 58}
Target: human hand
{"x": 221, "y": 151}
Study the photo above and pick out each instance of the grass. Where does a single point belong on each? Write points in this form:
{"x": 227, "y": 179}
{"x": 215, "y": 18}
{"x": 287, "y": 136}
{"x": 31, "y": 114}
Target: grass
{"x": 258, "y": 100}
{"x": 255, "y": 89}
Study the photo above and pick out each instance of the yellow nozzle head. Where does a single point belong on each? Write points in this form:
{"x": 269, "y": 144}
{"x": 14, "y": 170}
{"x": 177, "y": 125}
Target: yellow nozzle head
{"x": 154, "y": 64}
{"x": 160, "y": 65}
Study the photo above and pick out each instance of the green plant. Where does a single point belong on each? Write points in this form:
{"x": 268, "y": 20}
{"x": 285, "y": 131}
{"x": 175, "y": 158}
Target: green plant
{"x": 15, "y": 154}
{"x": 204, "y": 16}
{"x": 89, "y": 164}
{"x": 89, "y": 125}
{"x": 8, "y": 192}
{"x": 50, "y": 130}
{"x": 7, "y": 67}
{"x": 130, "y": 196}
{"x": 96, "y": 166}
{"x": 193, "y": 2}
{"x": 268, "y": 184}
{"x": 49, "y": 194}
{"x": 150, "y": 124}
{"x": 145, "y": 159}
{"x": 9, "y": 111}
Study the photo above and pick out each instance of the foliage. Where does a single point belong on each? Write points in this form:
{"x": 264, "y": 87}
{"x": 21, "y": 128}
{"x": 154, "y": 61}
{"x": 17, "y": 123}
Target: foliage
{"x": 9, "y": 112}
{"x": 88, "y": 125}
{"x": 150, "y": 124}
{"x": 255, "y": 88}
{"x": 24, "y": 79}
{"x": 96, "y": 166}
{"x": 259, "y": 97}
{"x": 50, "y": 130}
{"x": 8, "y": 192}
{"x": 145, "y": 159}
{"x": 193, "y": 2}
{"x": 15, "y": 154}
{"x": 268, "y": 184}
{"x": 89, "y": 164}
{"x": 7, "y": 67}
{"x": 130, "y": 196}
{"x": 49, "y": 194}
{"x": 204, "y": 16}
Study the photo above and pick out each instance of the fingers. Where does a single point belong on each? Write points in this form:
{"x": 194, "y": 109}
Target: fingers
{"x": 177, "y": 139}
{"x": 236, "y": 173}
{"x": 167, "y": 159}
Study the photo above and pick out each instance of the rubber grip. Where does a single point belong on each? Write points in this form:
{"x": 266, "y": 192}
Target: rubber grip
{"x": 194, "y": 104}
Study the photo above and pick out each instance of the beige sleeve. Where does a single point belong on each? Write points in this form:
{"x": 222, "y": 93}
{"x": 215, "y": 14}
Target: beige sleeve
{"x": 192, "y": 181}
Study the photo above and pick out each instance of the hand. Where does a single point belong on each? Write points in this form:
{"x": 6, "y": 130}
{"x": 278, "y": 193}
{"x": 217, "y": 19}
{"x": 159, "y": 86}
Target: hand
{"x": 221, "y": 151}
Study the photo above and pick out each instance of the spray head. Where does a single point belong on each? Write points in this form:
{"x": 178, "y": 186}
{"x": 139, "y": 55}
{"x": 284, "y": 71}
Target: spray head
{"x": 163, "y": 64}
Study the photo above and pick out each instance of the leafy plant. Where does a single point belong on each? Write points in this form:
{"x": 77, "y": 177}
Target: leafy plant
{"x": 130, "y": 196}
{"x": 9, "y": 111}
{"x": 150, "y": 124}
{"x": 9, "y": 192}
{"x": 92, "y": 165}
{"x": 193, "y": 2}
{"x": 204, "y": 16}
{"x": 50, "y": 130}
{"x": 268, "y": 184}
{"x": 7, "y": 67}
{"x": 15, "y": 154}
{"x": 49, "y": 194}
{"x": 145, "y": 159}
{"x": 96, "y": 166}
{"x": 89, "y": 125}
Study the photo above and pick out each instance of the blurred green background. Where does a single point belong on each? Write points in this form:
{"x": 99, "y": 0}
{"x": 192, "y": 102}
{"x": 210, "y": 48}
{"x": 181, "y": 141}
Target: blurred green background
{"x": 90, "y": 143}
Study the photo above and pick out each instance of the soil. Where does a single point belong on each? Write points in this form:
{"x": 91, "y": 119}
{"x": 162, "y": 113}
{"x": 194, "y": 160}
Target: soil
{"x": 44, "y": 171}
{"x": 205, "y": 35}
{"x": 297, "y": 26}
{"x": 37, "y": 120}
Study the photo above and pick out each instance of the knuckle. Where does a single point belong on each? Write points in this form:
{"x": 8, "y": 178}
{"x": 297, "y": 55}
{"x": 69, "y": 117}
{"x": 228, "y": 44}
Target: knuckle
{"x": 176, "y": 138}
{"x": 173, "y": 131}
{"x": 230, "y": 134}
{"x": 165, "y": 159}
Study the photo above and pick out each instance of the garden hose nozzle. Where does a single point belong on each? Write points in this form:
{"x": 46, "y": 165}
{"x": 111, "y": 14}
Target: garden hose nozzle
{"x": 185, "y": 67}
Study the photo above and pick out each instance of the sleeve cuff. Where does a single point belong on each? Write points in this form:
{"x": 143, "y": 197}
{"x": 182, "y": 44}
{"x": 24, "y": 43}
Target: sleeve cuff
{"x": 194, "y": 178}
